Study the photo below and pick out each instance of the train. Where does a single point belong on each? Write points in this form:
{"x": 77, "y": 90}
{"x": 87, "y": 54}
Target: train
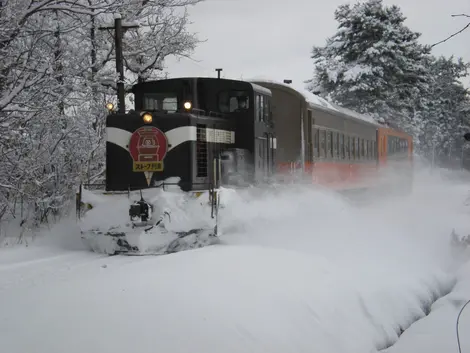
{"x": 202, "y": 135}
{"x": 335, "y": 147}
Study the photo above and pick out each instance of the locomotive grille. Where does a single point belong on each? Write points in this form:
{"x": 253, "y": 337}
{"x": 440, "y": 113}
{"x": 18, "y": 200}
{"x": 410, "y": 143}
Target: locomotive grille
{"x": 201, "y": 150}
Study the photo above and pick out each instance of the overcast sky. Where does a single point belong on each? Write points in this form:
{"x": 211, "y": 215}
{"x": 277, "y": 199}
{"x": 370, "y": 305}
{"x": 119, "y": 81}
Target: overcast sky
{"x": 274, "y": 38}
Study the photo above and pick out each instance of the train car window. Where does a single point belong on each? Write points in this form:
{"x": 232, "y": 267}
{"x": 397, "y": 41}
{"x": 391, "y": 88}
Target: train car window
{"x": 332, "y": 149}
{"x": 328, "y": 144}
{"x": 338, "y": 148}
{"x": 341, "y": 146}
{"x": 266, "y": 109}
{"x": 261, "y": 108}
{"x": 360, "y": 148}
{"x": 233, "y": 101}
{"x": 322, "y": 143}
{"x": 257, "y": 105}
{"x": 335, "y": 147}
{"x": 310, "y": 136}
{"x": 357, "y": 148}
{"x": 310, "y": 141}
{"x": 351, "y": 148}
{"x": 317, "y": 142}
{"x": 364, "y": 149}
{"x": 358, "y": 151}
{"x": 160, "y": 101}
{"x": 354, "y": 154}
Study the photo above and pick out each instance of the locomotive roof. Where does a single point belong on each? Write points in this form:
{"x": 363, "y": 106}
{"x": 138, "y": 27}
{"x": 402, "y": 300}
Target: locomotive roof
{"x": 317, "y": 102}
{"x": 255, "y": 87}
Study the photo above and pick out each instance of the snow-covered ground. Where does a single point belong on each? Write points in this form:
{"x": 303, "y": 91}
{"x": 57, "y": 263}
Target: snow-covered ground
{"x": 297, "y": 270}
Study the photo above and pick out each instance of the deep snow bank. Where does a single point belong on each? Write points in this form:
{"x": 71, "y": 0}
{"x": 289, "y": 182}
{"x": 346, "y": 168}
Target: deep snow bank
{"x": 438, "y": 332}
{"x": 298, "y": 270}
{"x": 230, "y": 299}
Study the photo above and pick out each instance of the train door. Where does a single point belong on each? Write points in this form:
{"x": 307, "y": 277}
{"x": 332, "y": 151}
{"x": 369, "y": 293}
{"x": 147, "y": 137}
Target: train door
{"x": 310, "y": 137}
{"x": 260, "y": 158}
{"x": 270, "y": 154}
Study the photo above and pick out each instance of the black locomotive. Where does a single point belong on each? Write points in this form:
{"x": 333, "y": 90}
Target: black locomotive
{"x": 201, "y": 130}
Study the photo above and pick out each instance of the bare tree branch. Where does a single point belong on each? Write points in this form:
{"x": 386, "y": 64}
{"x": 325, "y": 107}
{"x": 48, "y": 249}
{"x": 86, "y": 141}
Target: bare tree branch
{"x": 456, "y": 33}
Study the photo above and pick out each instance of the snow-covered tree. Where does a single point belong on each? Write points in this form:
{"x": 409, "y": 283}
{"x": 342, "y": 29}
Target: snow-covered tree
{"x": 162, "y": 32}
{"x": 446, "y": 107}
{"x": 373, "y": 64}
{"x": 52, "y": 98}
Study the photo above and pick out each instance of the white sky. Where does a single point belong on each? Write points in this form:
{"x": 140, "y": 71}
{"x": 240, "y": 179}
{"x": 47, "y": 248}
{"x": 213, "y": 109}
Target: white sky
{"x": 274, "y": 38}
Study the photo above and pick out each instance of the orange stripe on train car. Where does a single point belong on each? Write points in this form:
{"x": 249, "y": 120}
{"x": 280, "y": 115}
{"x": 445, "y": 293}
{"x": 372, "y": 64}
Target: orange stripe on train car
{"x": 337, "y": 175}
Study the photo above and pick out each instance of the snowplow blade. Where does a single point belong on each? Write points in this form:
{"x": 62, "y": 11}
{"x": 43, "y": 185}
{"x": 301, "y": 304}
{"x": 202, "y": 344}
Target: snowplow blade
{"x": 121, "y": 243}
{"x": 129, "y": 224}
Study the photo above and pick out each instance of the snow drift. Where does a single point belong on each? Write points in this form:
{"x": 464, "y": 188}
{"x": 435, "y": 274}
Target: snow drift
{"x": 297, "y": 270}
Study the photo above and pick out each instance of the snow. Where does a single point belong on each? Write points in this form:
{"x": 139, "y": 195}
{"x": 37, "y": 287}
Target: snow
{"x": 355, "y": 72}
{"x": 309, "y": 96}
{"x": 298, "y": 269}
{"x": 437, "y": 332}
{"x": 107, "y": 211}
{"x": 314, "y": 100}
{"x": 261, "y": 89}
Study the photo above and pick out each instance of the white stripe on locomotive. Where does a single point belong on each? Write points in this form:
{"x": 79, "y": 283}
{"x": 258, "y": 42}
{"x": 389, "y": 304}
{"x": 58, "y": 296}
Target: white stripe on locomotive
{"x": 175, "y": 136}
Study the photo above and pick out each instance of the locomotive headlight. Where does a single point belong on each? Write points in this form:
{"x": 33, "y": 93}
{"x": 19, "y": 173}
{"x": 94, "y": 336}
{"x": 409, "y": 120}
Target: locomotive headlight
{"x": 147, "y": 118}
{"x": 110, "y": 106}
{"x": 187, "y": 105}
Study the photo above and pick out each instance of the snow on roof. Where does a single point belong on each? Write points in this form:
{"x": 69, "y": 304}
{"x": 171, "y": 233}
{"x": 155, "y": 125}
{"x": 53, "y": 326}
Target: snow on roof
{"x": 315, "y": 100}
{"x": 261, "y": 89}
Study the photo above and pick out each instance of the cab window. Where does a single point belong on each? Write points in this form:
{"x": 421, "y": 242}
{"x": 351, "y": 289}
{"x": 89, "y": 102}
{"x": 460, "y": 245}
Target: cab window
{"x": 160, "y": 101}
{"x": 233, "y": 101}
